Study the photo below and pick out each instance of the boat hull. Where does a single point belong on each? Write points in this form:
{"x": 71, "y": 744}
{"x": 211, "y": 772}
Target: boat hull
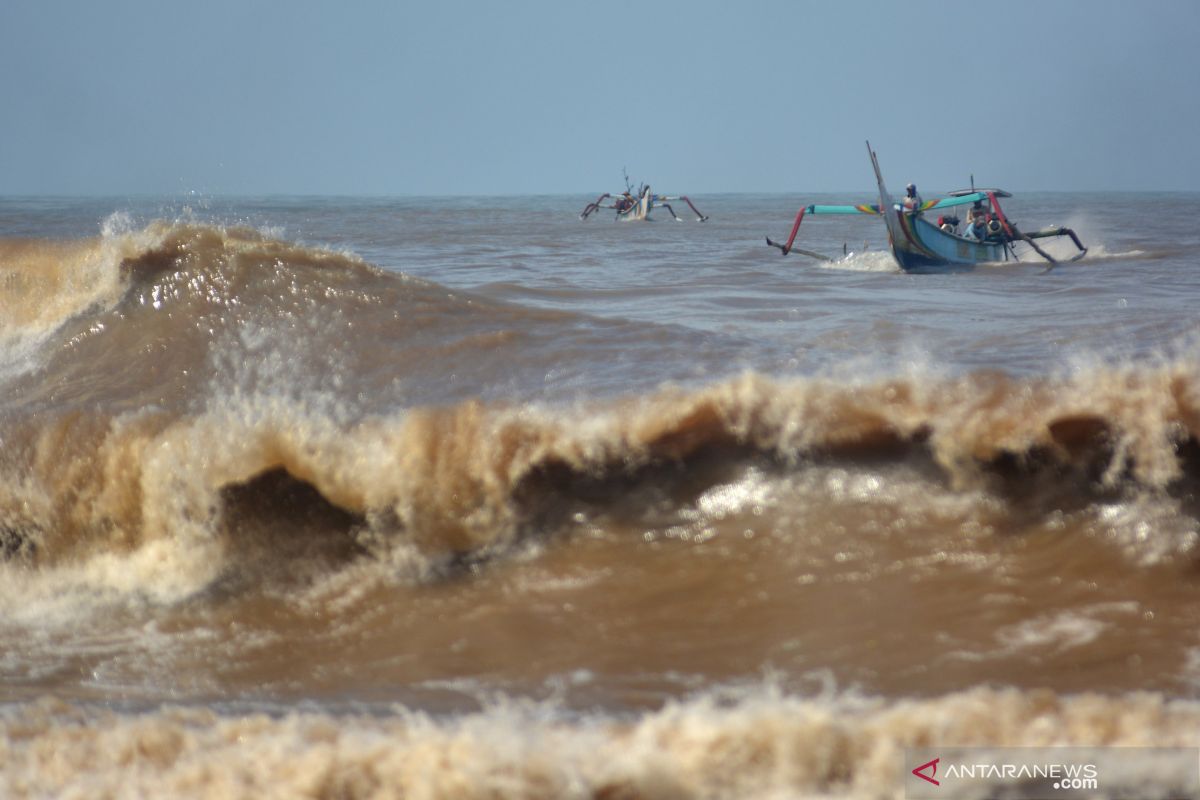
{"x": 638, "y": 211}
{"x": 921, "y": 246}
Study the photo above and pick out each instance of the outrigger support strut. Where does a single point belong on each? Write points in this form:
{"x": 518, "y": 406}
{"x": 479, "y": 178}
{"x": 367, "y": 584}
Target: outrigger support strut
{"x": 699, "y": 217}
{"x": 1031, "y": 243}
{"x": 1015, "y": 233}
{"x": 594, "y": 205}
{"x": 1046, "y": 232}
{"x": 661, "y": 201}
{"x": 787, "y": 248}
{"x": 1059, "y": 231}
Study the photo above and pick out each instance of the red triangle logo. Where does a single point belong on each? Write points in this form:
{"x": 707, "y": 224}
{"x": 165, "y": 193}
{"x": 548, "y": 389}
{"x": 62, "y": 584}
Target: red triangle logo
{"x": 932, "y": 767}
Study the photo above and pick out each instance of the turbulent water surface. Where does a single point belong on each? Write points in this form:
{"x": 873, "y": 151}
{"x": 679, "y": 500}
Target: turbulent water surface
{"x": 345, "y": 497}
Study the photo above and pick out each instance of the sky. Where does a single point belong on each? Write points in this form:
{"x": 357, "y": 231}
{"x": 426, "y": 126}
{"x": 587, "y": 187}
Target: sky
{"x": 458, "y": 97}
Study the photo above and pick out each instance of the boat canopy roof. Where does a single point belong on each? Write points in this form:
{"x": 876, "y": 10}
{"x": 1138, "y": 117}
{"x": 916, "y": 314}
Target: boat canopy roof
{"x": 957, "y": 199}
{"x": 985, "y": 192}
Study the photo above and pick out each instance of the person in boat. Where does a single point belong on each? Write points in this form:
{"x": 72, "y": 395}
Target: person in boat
{"x": 976, "y": 222}
{"x": 912, "y": 200}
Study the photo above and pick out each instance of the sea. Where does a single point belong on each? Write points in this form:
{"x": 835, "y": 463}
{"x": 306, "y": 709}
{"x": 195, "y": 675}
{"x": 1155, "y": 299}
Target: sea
{"x": 466, "y": 497}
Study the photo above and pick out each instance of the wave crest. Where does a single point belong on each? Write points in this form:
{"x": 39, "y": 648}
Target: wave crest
{"x": 471, "y": 479}
{"x": 762, "y": 744}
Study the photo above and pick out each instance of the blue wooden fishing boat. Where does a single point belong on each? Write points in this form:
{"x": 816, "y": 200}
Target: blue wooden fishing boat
{"x": 922, "y": 242}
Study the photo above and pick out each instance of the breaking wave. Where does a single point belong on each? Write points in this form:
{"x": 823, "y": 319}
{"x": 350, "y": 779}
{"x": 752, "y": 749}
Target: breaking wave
{"x": 188, "y": 377}
{"x": 759, "y": 744}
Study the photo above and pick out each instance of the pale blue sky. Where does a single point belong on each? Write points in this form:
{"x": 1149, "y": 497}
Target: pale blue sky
{"x": 453, "y": 97}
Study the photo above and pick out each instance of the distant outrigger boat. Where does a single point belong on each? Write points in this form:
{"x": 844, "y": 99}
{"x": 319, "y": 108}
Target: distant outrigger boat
{"x": 637, "y": 206}
{"x": 921, "y": 246}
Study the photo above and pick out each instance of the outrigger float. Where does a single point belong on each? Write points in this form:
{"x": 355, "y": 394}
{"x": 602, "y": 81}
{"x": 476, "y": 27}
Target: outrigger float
{"x": 919, "y": 245}
{"x": 637, "y": 206}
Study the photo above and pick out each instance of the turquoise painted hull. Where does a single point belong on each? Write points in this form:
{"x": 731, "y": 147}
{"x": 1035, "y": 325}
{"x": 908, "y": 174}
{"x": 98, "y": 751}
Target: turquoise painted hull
{"x": 921, "y": 246}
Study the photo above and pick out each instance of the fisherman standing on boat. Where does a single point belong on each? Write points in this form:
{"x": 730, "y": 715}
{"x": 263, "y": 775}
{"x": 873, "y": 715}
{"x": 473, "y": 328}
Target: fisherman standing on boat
{"x": 912, "y": 200}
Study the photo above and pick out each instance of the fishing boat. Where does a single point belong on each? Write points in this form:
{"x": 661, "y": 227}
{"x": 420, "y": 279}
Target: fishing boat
{"x": 923, "y": 242}
{"x": 632, "y": 206}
